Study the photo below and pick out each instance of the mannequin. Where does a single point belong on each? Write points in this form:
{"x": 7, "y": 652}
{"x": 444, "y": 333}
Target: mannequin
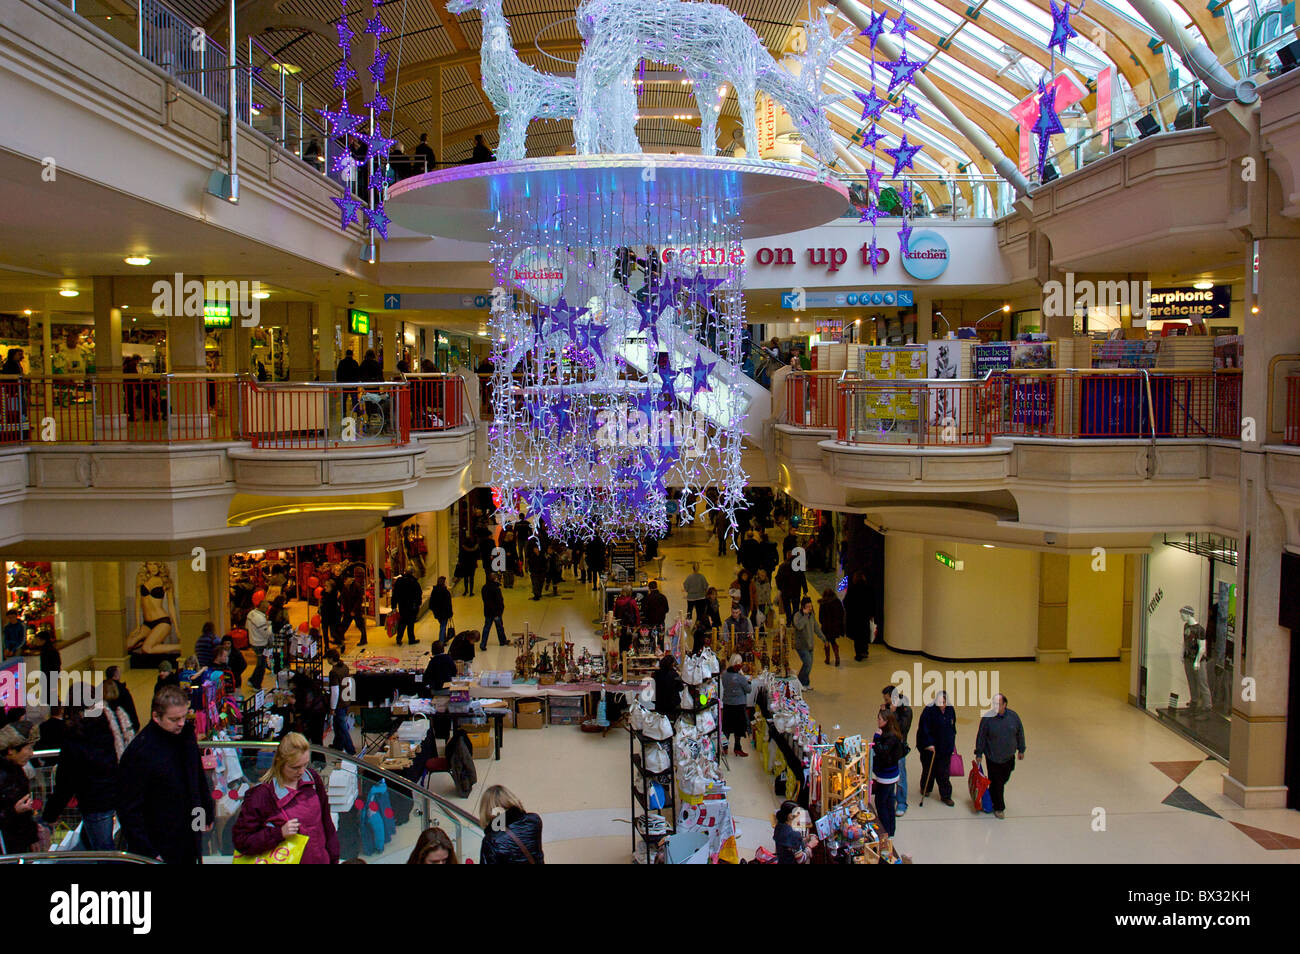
{"x": 1194, "y": 664}
{"x": 155, "y": 604}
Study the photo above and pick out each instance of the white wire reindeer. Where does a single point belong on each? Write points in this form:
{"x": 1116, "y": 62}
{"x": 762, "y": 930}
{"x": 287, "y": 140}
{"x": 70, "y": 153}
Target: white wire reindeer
{"x": 711, "y": 45}
{"x": 518, "y": 93}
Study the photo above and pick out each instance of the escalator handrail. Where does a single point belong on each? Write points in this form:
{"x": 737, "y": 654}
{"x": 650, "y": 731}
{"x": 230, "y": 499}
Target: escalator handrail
{"x": 455, "y": 811}
{"x": 45, "y": 857}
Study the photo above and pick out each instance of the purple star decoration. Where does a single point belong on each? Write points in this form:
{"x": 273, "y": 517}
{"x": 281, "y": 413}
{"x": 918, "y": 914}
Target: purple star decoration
{"x": 1062, "y": 32}
{"x": 377, "y": 219}
{"x": 875, "y": 28}
{"x": 902, "y": 156}
{"x": 902, "y": 69}
{"x": 1048, "y": 123}
{"x": 348, "y": 207}
{"x": 872, "y": 105}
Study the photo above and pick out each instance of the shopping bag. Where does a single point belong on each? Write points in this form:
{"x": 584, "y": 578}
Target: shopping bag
{"x": 287, "y": 852}
{"x": 956, "y": 767}
{"x": 978, "y": 784}
{"x": 391, "y": 622}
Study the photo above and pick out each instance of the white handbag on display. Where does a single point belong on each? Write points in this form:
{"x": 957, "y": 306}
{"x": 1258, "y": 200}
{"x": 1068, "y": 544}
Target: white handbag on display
{"x": 707, "y": 722}
{"x": 710, "y": 661}
{"x": 657, "y": 726}
{"x": 656, "y": 759}
{"x": 648, "y": 693}
{"x": 692, "y": 671}
{"x": 688, "y": 700}
{"x": 636, "y": 715}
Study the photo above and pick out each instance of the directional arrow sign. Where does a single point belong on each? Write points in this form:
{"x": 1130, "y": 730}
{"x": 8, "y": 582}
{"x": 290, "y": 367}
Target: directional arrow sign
{"x": 392, "y": 301}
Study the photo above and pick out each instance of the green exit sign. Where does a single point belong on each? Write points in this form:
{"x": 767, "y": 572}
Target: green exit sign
{"x": 216, "y": 315}
{"x": 948, "y": 560}
{"x": 358, "y": 322}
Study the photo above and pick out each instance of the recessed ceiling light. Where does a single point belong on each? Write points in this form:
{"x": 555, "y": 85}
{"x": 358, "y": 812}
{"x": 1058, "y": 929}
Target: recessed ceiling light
{"x": 988, "y": 546}
{"x": 1204, "y": 286}
{"x": 261, "y": 295}
{"x": 137, "y": 259}
{"x": 69, "y": 292}
{"x": 1254, "y": 309}
{"x": 27, "y": 311}
{"x": 481, "y": 334}
{"x": 123, "y": 307}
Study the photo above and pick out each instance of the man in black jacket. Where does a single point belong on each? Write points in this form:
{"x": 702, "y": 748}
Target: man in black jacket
{"x": 793, "y": 586}
{"x": 441, "y": 669}
{"x": 494, "y": 605}
{"x": 163, "y": 800}
{"x": 87, "y": 772}
{"x": 440, "y": 606}
{"x": 654, "y": 608}
{"x": 407, "y": 597}
{"x": 348, "y": 371}
{"x": 936, "y": 737}
{"x": 353, "y": 600}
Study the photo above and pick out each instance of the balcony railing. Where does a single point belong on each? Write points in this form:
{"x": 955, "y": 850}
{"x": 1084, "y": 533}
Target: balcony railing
{"x": 437, "y": 402}
{"x": 105, "y": 408}
{"x": 924, "y": 412}
{"x": 318, "y": 416}
{"x": 1065, "y": 404}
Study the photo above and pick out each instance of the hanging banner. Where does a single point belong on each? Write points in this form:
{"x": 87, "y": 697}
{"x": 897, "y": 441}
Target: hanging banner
{"x": 1025, "y": 113}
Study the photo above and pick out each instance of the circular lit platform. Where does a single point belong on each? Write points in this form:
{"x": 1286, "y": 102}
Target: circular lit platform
{"x": 647, "y": 198}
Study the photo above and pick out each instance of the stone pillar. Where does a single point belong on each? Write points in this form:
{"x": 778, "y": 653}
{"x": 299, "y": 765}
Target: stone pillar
{"x": 1256, "y": 771}
{"x": 387, "y": 325}
{"x": 1053, "y": 608}
{"x": 193, "y": 600}
{"x": 302, "y": 357}
{"x": 325, "y": 316}
{"x": 925, "y": 321}
{"x": 108, "y": 327}
{"x": 110, "y": 614}
{"x": 440, "y": 543}
{"x": 185, "y": 336}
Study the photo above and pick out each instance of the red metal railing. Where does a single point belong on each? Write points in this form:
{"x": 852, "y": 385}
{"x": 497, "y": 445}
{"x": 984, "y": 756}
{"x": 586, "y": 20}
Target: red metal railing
{"x": 312, "y": 416}
{"x": 1066, "y": 404}
{"x": 1090, "y": 404}
{"x": 811, "y": 399}
{"x": 149, "y": 409}
{"x": 922, "y": 412}
{"x": 438, "y": 402}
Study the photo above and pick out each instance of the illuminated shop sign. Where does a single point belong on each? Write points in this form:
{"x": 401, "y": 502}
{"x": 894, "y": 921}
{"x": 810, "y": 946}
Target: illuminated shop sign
{"x": 1213, "y": 302}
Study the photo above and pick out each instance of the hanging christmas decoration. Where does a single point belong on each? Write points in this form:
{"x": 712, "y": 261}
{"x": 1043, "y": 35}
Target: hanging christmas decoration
{"x": 1062, "y": 31}
{"x": 1049, "y": 123}
{"x": 902, "y": 72}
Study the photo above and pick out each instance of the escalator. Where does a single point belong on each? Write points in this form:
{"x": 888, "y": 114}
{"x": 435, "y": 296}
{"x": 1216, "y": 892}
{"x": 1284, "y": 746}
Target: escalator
{"x": 379, "y": 815}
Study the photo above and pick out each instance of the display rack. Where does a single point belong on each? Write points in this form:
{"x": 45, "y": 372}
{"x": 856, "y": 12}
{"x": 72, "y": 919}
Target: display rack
{"x": 695, "y": 711}
{"x": 639, "y": 666}
{"x": 649, "y": 849}
{"x": 842, "y": 779}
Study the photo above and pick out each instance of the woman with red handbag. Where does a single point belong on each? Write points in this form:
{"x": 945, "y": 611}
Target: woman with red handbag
{"x": 936, "y": 737}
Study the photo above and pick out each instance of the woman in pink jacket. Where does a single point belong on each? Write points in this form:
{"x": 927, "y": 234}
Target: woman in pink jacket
{"x": 291, "y": 800}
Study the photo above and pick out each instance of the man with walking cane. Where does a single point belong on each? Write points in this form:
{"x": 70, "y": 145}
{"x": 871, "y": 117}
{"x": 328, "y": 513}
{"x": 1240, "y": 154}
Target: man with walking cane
{"x": 936, "y": 737}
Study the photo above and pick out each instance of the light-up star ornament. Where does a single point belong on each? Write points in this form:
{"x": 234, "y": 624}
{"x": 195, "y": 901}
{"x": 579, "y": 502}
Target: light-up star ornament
{"x": 874, "y": 28}
{"x": 1062, "y": 32}
{"x": 902, "y": 69}
{"x": 1049, "y": 123}
{"x": 902, "y": 156}
{"x": 872, "y": 105}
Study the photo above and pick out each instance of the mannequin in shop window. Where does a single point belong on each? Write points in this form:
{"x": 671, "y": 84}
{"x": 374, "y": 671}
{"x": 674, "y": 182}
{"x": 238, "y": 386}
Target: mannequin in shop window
{"x": 1196, "y": 664}
{"x": 155, "y": 604}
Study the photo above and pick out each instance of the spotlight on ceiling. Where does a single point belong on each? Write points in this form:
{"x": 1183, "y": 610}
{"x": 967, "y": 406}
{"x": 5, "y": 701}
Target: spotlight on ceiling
{"x": 1203, "y": 286}
{"x": 140, "y": 260}
{"x": 69, "y": 292}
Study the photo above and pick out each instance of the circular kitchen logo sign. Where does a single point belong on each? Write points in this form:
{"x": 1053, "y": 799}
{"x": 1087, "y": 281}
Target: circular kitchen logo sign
{"x": 927, "y": 255}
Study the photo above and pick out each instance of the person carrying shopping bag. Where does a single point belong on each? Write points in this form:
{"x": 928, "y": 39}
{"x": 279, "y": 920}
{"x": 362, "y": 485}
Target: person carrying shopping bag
{"x": 290, "y": 805}
{"x": 936, "y": 737}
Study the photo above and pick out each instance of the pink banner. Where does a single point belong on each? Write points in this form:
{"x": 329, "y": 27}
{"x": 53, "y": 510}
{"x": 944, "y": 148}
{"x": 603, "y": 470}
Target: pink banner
{"x": 1025, "y": 113}
{"x": 1103, "y": 105}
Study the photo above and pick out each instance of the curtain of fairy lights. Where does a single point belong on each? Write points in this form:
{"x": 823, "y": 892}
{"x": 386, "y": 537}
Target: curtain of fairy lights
{"x": 615, "y": 351}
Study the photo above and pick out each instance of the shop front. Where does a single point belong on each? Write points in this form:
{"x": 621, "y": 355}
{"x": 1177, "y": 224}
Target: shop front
{"x": 1188, "y": 635}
